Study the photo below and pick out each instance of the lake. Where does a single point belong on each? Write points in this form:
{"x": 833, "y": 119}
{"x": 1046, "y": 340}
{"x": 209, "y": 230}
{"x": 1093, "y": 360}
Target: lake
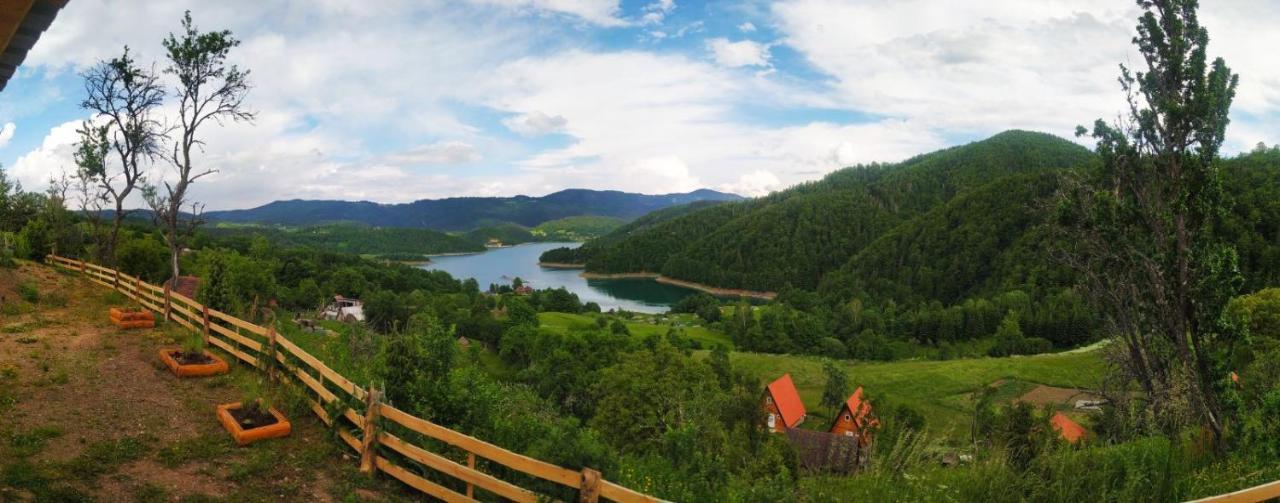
{"x": 501, "y": 265}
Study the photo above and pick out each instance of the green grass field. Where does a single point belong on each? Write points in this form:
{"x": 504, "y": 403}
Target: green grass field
{"x": 937, "y": 389}
{"x": 565, "y": 322}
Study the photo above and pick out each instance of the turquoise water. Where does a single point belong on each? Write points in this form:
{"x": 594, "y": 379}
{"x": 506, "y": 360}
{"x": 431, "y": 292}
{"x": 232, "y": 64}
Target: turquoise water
{"x": 501, "y": 265}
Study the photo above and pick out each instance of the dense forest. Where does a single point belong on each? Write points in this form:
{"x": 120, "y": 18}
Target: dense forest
{"x": 407, "y": 243}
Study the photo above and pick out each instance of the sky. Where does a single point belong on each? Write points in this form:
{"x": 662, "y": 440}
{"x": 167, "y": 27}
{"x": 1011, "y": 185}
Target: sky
{"x": 394, "y": 101}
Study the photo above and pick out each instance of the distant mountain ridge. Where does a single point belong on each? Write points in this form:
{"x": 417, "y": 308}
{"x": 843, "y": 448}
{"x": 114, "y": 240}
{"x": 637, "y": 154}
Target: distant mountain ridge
{"x": 467, "y": 213}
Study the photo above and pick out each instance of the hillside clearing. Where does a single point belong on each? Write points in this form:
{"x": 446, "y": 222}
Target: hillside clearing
{"x": 939, "y": 390}
{"x": 566, "y": 322}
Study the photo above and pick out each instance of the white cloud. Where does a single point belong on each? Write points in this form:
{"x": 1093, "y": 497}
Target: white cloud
{"x": 741, "y": 53}
{"x": 354, "y": 113}
{"x": 53, "y": 156}
{"x": 979, "y": 68}
{"x": 754, "y": 184}
{"x": 655, "y": 12}
{"x": 535, "y": 124}
{"x": 601, "y": 12}
{"x": 447, "y": 152}
{"x": 663, "y": 123}
{"x": 6, "y": 133}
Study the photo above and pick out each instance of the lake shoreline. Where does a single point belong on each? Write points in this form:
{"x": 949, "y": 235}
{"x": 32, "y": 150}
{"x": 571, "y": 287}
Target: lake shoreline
{"x": 561, "y": 265}
{"x": 667, "y": 280}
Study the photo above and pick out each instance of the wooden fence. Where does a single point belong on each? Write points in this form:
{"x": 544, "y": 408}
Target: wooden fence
{"x": 364, "y": 422}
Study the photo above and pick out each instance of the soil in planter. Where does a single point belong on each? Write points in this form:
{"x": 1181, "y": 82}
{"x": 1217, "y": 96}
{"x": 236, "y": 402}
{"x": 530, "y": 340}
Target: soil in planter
{"x": 252, "y": 418}
{"x": 186, "y": 358}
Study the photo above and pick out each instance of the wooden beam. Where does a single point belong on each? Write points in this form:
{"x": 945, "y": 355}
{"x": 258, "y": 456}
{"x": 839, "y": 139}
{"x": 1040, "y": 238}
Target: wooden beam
{"x": 12, "y": 13}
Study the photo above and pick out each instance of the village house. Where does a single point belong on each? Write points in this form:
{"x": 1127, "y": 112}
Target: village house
{"x": 782, "y": 405}
{"x": 855, "y": 418}
{"x": 1069, "y": 430}
{"x": 344, "y": 309}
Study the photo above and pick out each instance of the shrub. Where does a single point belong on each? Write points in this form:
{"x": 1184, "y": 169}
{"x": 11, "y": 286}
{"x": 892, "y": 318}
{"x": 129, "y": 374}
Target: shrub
{"x": 144, "y": 257}
{"x": 28, "y": 292}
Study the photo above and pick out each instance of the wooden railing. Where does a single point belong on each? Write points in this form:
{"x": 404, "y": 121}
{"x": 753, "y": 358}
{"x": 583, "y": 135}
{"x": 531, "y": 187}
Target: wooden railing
{"x": 1265, "y": 492}
{"x": 364, "y": 422}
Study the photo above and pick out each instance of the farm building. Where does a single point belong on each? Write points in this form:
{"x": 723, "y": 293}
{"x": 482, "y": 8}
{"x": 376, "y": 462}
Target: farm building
{"x": 782, "y": 405}
{"x": 343, "y": 309}
{"x": 822, "y": 452}
{"x": 1069, "y": 430}
{"x": 855, "y": 418}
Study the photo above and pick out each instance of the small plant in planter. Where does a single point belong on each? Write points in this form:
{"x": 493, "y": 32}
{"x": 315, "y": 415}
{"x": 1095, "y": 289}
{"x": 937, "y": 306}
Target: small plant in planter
{"x": 253, "y": 418}
{"x": 192, "y": 359}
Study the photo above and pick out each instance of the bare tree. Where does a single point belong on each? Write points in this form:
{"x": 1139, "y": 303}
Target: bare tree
{"x": 124, "y": 135}
{"x": 208, "y": 88}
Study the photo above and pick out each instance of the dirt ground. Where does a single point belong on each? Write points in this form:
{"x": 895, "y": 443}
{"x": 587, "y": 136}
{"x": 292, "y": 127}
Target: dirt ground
{"x": 88, "y": 412}
{"x": 1059, "y": 397}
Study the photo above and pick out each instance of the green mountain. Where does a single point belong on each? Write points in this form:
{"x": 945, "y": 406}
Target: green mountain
{"x": 797, "y": 236}
{"x": 466, "y": 213}
{"x": 964, "y": 222}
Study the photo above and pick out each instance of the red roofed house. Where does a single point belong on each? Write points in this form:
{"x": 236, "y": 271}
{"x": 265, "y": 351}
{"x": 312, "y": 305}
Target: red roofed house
{"x": 855, "y": 418}
{"x": 782, "y": 404}
{"x": 1070, "y": 431}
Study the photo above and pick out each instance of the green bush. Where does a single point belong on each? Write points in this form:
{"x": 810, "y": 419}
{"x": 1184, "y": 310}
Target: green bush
{"x": 144, "y": 257}
{"x": 28, "y": 292}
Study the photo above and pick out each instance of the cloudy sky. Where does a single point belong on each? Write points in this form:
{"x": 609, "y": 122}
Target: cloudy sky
{"x": 393, "y": 101}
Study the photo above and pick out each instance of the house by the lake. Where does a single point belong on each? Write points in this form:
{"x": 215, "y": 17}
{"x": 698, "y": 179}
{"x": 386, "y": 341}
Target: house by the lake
{"x": 344, "y": 309}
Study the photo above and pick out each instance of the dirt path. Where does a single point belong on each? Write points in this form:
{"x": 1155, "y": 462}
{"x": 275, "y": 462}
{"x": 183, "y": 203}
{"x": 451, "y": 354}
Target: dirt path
{"x": 87, "y": 412}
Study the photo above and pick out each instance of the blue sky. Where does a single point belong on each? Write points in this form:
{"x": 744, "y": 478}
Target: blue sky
{"x": 399, "y": 100}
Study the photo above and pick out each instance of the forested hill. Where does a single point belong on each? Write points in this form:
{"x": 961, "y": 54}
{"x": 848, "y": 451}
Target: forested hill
{"x": 467, "y": 213}
{"x": 795, "y": 237}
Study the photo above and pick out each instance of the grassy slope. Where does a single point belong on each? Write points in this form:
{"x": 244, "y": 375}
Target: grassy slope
{"x": 563, "y": 322}
{"x": 88, "y": 412}
{"x": 937, "y": 389}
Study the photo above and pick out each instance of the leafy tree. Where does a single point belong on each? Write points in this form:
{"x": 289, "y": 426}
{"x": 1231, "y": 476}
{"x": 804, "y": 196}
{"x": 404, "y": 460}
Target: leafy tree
{"x": 1009, "y": 338}
{"x": 417, "y": 364}
{"x": 1144, "y": 231}
{"x": 143, "y": 257}
{"x": 386, "y": 310}
{"x": 651, "y": 394}
{"x": 520, "y": 313}
{"x": 836, "y": 389}
{"x": 208, "y": 90}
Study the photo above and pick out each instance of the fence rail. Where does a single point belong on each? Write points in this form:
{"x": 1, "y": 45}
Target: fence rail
{"x": 361, "y": 416}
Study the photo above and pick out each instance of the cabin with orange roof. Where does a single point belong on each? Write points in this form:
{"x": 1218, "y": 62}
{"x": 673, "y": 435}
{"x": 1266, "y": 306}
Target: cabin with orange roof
{"x": 855, "y": 418}
{"x": 1069, "y": 430}
{"x": 782, "y": 405}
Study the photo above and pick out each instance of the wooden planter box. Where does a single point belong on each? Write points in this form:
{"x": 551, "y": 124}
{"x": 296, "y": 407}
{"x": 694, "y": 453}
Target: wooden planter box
{"x": 216, "y": 367}
{"x": 281, "y": 428}
{"x": 126, "y": 318}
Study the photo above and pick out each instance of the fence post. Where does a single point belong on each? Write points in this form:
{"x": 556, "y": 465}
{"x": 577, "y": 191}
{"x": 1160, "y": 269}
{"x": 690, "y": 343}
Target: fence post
{"x": 167, "y": 286}
{"x": 471, "y": 463}
{"x": 271, "y": 352}
{"x": 116, "y": 282}
{"x": 368, "y": 448}
{"x": 82, "y": 266}
{"x": 589, "y": 492}
{"x": 137, "y": 289}
{"x": 204, "y": 310}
